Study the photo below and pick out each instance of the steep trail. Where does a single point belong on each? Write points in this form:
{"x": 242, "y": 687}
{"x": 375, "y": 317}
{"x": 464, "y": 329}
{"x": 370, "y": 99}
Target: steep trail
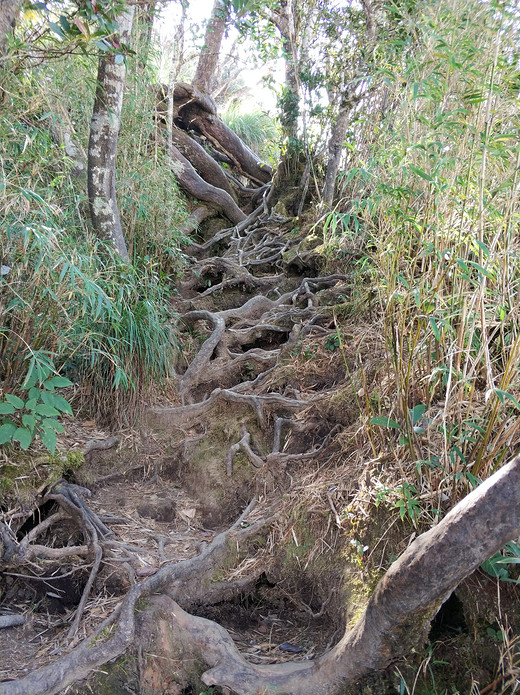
{"x": 249, "y": 300}
{"x": 254, "y": 460}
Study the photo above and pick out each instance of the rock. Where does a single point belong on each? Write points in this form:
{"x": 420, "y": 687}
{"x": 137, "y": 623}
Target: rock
{"x": 160, "y": 510}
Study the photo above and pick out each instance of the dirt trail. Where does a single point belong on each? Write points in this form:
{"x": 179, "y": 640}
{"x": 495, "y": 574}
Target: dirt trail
{"x": 246, "y": 423}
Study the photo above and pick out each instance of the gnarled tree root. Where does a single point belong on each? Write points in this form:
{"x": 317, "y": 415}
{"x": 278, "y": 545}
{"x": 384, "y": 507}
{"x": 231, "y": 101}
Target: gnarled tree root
{"x": 396, "y": 618}
{"x": 186, "y": 580}
{"x": 398, "y": 614}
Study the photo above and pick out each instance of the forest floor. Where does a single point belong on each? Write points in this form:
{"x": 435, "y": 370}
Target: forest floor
{"x": 266, "y": 409}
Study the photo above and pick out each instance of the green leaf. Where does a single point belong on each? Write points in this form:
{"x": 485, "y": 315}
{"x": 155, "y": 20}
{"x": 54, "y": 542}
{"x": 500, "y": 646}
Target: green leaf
{"x": 417, "y": 413}
{"x": 53, "y": 399}
{"x": 503, "y": 395}
{"x": 24, "y": 436}
{"x": 29, "y": 421}
{"x": 420, "y": 173}
{"x": 48, "y": 437}
{"x": 6, "y": 431}
{"x": 53, "y": 424}
{"x": 385, "y": 422}
{"x": 48, "y": 397}
{"x": 64, "y": 22}
{"x": 14, "y": 400}
{"x": 435, "y": 329}
{"x": 34, "y": 392}
{"x": 31, "y": 378}
{"x": 119, "y": 59}
{"x": 484, "y": 271}
{"x": 57, "y": 29}
{"x": 62, "y": 404}
{"x": 44, "y": 409}
{"x": 31, "y": 404}
{"x": 482, "y": 247}
{"x": 103, "y": 45}
{"x": 7, "y": 409}
{"x": 57, "y": 382}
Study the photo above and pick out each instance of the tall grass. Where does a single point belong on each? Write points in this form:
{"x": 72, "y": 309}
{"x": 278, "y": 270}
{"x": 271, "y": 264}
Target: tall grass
{"x": 432, "y": 184}
{"x": 66, "y": 298}
{"x": 103, "y": 324}
{"x": 256, "y": 128}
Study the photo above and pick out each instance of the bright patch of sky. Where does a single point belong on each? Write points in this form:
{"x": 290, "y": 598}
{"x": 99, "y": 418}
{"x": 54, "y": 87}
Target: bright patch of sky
{"x": 259, "y": 96}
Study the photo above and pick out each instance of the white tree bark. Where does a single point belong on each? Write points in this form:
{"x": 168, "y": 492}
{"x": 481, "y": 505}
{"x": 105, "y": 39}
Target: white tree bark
{"x": 102, "y": 147}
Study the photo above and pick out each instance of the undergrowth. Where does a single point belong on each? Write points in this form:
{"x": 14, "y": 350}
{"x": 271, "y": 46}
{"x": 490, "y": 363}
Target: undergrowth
{"x": 65, "y": 299}
{"x": 434, "y": 195}
{"x": 429, "y": 205}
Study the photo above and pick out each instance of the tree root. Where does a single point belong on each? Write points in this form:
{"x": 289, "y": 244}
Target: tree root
{"x": 187, "y": 579}
{"x": 397, "y": 616}
{"x": 275, "y": 457}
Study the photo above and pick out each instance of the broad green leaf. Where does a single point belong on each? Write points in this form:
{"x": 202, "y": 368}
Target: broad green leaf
{"x": 48, "y": 397}
{"x": 29, "y": 421}
{"x": 31, "y": 404}
{"x": 57, "y": 382}
{"x": 7, "y": 409}
{"x": 62, "y": 404}
{"x": 57, "y": 29}
{"x": 47, "y": 410}
{"x": 53, "y": 424}
{"x": 6, "y": 431}
{"x": 385, "y": 422}
{"x": 24, "y": 436}
{"x": 14, "y": 400}
{"x": 34, "y": 392}
{"x": 64, "y": 22}
{"x": 417, "y": 413}
{"x": 48, "y": 437}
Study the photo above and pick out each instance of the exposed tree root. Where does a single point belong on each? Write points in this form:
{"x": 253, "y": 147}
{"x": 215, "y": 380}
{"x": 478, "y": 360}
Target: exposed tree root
{"x": 398, "y": 614}
{"x": 184, "y": 580}
{"x": 183, "y": 415}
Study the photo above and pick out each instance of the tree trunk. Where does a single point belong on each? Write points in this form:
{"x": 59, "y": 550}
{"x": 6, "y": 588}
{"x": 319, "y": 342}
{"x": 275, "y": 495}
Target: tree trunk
{"x": 224, "y": 139}
{"x": 9, "y": 10}
{"x": 205, "y": 165}
{"x": 210, "y": 52}
{"x": 145, "y": 17}
{"x": 398, "y": 614}
{"x": 284, "y": 19}
{"x": 102, "y": 147}
{"x": 347, "y": 104}
{"x": 335, "y": 147}
{"x": 195, "y": 186}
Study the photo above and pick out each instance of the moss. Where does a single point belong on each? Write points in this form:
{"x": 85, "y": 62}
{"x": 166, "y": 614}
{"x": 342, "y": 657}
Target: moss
{"x": 118, "y": 678}
{"x": 24, "y": 475}
{"x": 141, "y": 605}
{"x": 105, "y": 634}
